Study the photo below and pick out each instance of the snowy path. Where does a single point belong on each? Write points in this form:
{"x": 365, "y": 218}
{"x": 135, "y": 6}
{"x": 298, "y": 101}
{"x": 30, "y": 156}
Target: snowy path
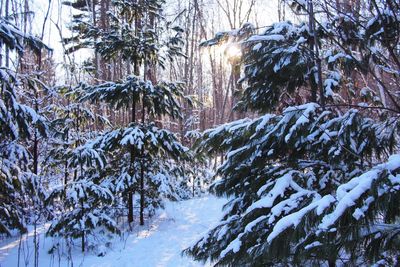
{"x": 158, "y": 244}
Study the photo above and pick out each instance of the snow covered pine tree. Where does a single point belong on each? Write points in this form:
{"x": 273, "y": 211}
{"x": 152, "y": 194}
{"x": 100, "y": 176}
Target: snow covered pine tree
{"x": 18, "y": 184}
{"x": 140, "y": 157}
{"x": 140, "y": 44}
{"x": 316, "y": 184}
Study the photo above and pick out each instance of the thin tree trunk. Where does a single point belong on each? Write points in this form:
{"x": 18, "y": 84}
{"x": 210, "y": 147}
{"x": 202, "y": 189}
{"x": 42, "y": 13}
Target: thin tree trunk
{"x": 83, "y": 241}
{"x": 142, "y": 196}
{"x": 130, "y": 190}
{"x": 136, "y": 72}
{"x": 83, "y": 231}
{"x": 317, "y": 58}
{"x": 7, "y": 59}
{"x": 312, "y": 44}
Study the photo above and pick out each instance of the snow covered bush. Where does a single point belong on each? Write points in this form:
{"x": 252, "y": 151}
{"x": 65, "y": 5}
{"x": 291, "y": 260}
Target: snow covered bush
{"x": 88, "y": 212}
{"x": 155, "y": 172}
{"x": 87, "y": 201}
{"x": 282, "y": 172}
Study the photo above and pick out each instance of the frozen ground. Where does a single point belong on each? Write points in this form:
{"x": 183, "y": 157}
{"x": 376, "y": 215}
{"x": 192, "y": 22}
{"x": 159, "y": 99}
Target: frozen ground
{"x": 158, "y": 244}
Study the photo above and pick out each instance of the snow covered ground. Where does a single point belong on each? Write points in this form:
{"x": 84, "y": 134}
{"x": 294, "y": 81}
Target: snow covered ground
{"x": 157, "y": 244}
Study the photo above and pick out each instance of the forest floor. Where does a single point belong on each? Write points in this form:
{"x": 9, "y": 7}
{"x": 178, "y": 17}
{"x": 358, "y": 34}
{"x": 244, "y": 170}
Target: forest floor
{"x": 159, "y": 243}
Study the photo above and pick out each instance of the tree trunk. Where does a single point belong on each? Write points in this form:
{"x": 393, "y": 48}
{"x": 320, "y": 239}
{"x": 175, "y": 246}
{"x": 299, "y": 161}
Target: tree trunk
{"x": 83, "y": 241}
{"x": 142, "y": 193}
{"x": 130, "y": 190}
{"x": 130, "y": 207}
{"x": 142, "y": 204}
